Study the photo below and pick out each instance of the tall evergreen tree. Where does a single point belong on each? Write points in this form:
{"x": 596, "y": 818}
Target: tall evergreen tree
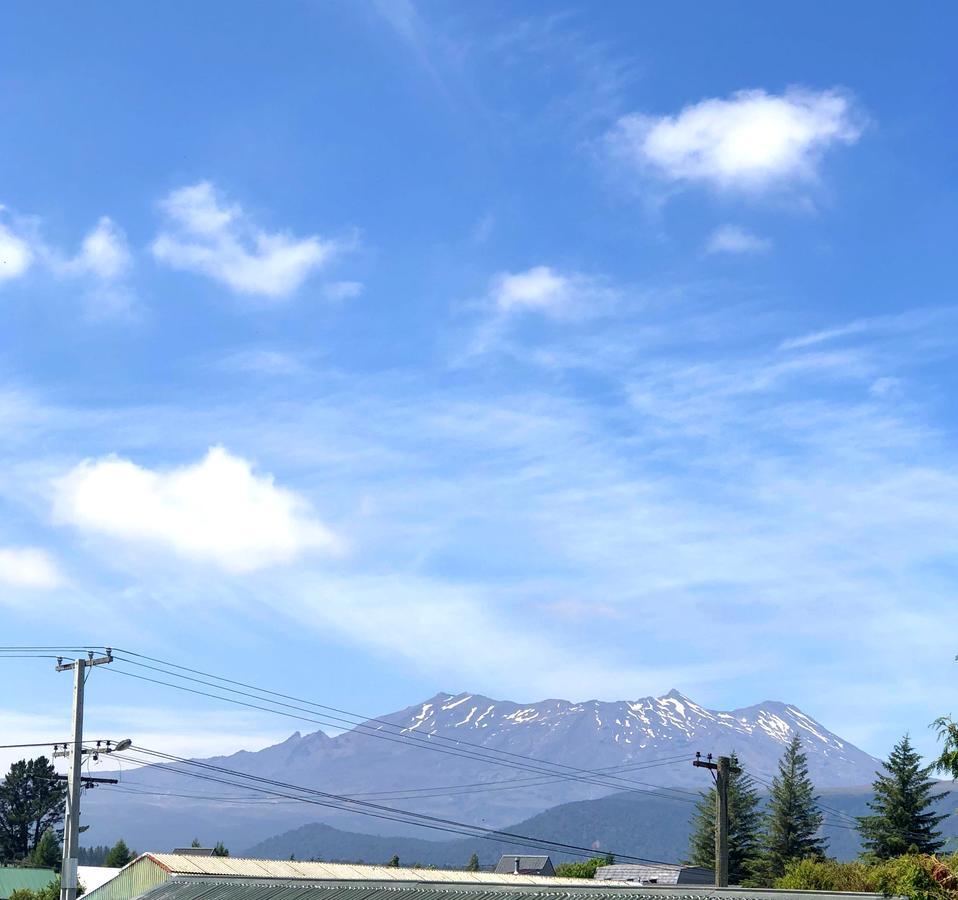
{"x": 903, "y": 819}
{"x": 119, "y": 855}
{"x": 792, "y": 819}
{"x": 220, "y": 849}
{"x": 48, "y": 854}
{"x": 473, "y": 864}
{"x": 744, "y": 821}
{"x": 31, "y": 801}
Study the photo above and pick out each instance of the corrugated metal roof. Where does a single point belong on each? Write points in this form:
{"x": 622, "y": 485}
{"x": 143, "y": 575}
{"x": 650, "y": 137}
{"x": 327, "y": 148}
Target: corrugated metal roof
{"x": 321, "y": 871}
{"x": 190, "y": 888}
{"x": 13, "y": 878}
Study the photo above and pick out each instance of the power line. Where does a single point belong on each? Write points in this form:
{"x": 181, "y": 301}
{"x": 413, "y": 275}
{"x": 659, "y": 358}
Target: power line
{"x": 450, "y": 751}
{"x": 366, "y": 807}
{"x": 363, "y": 722}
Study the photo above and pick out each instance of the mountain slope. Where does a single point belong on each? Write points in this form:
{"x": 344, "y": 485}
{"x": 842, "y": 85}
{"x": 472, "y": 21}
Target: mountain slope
{"x": 474, "y": 759}
{"x": 651, "y": 828}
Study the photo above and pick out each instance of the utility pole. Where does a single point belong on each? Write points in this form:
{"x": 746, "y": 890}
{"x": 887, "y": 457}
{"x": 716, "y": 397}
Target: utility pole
{"x": 722, "y": 770}
{"x": 71, "y": 828}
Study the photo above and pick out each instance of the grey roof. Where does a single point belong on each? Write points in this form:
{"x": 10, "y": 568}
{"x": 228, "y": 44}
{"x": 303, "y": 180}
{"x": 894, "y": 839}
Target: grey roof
{"x": 217, "y": 888}
{"x": 507, "y": 864}
{"x": 659, "y": 873}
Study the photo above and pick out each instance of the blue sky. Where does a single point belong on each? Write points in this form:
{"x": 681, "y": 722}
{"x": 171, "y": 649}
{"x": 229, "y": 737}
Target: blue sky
{"x": 372, "y": 350}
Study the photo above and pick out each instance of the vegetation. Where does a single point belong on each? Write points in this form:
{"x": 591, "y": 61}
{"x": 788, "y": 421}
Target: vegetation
{"x": 119, "y": 855}
{"x": 902, "y": 821}
{"x": 48, "y": 854}
{"x": 792, "y": 819}
{"x": 584, "y": 869}
{"x": 50, "y": 892}
{"x": 220, "y": 850}
{"x": 744, "y": 837}
{"x": 394, "y": 861}
{"x": 31, "y": 803}
{"x": 473, "y": 864}
{"x": 916, "y": 876}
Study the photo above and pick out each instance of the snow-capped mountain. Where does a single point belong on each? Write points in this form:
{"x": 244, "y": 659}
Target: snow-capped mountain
{"x": 477, "y": 759}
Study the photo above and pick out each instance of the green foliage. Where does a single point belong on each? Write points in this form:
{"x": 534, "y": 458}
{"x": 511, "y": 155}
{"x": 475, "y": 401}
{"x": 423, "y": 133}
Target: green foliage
{"x": 50, "y": 892}
{"x": 584, "y": 869}
{"x": 119, "y": 855}
{"x": 48, "y": 854}
{"x": 31, "y": 802}
{"x": 220, "y": 849}
{"x": 394, "y": 861}
{"x": 473, "y": 864}
{"x": 744, "y": 828}
{"x": 792, "y": 819}
{"x": 915, "y": 876}
{"x": 902, "y": 821}
{"x": 196, "y": 843}
{"x": 947, "y": 730}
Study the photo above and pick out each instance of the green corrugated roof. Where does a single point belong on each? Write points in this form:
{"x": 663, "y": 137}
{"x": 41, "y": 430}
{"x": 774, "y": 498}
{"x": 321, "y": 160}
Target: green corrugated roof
{"x": 13, "y": 878}
{"x": 218, "y": 888}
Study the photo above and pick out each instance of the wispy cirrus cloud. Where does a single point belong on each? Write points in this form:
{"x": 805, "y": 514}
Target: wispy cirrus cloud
{"x": 751, "y": 141}
{"x": 736, "y": 240}
{"x": 206, "y": 234}
{"x": 101, "y": 265}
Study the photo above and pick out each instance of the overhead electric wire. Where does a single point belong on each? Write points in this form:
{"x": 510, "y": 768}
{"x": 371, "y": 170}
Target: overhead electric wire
{"x": 366, "y": 807}
{"x": 450, "y": 751}
{"x": 458, "y": 746}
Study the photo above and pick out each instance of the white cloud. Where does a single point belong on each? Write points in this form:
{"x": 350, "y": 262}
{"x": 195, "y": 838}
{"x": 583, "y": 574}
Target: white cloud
{"x": 750, "y": 141}
{"x": 104, "y": 253}
{"x": 262, "y": 361}
{"x": 28, "y": 567}
{"x": 217, "y": 510}
{"x": 539, "y": 288}
{"x": 16, "y": 255}
{"x": 734, "y": 239}
{"x": 206, "y": 235}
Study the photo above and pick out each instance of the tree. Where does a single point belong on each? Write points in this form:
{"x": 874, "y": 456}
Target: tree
{"x": 119, "y": 855}
{"x": 585, "y": 868}
{"x": 48, "y": 854}
{"x": 947, "y": 730}
{"x": 744, "y": 820}
{"x": 196, "y": 843}
{"x": 31, "y": 802}
{"x": 473, "y": 864}
{"x": 902, "y": 820}
{"x": 792, "y": 820}
{"x": 394, "y": 862}
{"x": 220, "y": 850}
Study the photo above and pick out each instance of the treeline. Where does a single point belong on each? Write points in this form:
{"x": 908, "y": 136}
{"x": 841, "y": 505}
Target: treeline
{"x": 784, "y": 847}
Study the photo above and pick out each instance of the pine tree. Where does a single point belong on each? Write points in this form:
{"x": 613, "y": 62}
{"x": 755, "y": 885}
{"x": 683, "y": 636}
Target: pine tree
{"x": 473, "y": 864}
{"x": 48, "y": 853}
{"x": 31, "y": 801}
{"x": 744, "y": 820}
{"x": 792, "y": 820}
{"x": 903, "y": 821}
{"x": 220, "y": 849}
{"x": 394, "y": 861}
{"x": 119, "y": 855}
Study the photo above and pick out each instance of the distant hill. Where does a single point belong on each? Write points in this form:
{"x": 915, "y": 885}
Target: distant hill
{"x": 495, "y": 747}
{"x": 647, "y": 827}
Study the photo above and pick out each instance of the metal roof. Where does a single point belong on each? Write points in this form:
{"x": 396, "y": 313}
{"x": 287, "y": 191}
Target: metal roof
{"x": 237, "y": 867}
{"x": 191, "y": 888}
{"x": 13, "y": 878}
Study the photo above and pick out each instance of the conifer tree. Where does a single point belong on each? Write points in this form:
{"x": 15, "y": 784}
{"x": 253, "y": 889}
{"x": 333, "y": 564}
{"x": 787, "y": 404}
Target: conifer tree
{"x": 47, "y": 854}
{"x": 119, "y": 855}
{"x": 31, "y": 802}
{"x": 473, "y": 864}
{"x": 744, "y": 820}
{"x": 903, "y": 820}
{"x": 792, "y": 819}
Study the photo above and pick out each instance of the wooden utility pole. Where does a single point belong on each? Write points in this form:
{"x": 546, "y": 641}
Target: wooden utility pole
{"x": 722, "y": 770}
{"x": 71, "y": 827}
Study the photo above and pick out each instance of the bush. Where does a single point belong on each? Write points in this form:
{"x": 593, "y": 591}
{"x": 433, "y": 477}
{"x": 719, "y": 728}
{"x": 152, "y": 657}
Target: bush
{"x": 584, "y": 869}
{"x": 915, "y": 876}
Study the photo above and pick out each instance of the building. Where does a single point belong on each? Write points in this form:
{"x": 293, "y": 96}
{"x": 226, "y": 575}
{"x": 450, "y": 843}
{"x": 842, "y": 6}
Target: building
{"x": 168, "y": 876}
{"x": 656, "y": 874}
{"x": 14, "y": 878}
{"x": 525, "y": 865}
